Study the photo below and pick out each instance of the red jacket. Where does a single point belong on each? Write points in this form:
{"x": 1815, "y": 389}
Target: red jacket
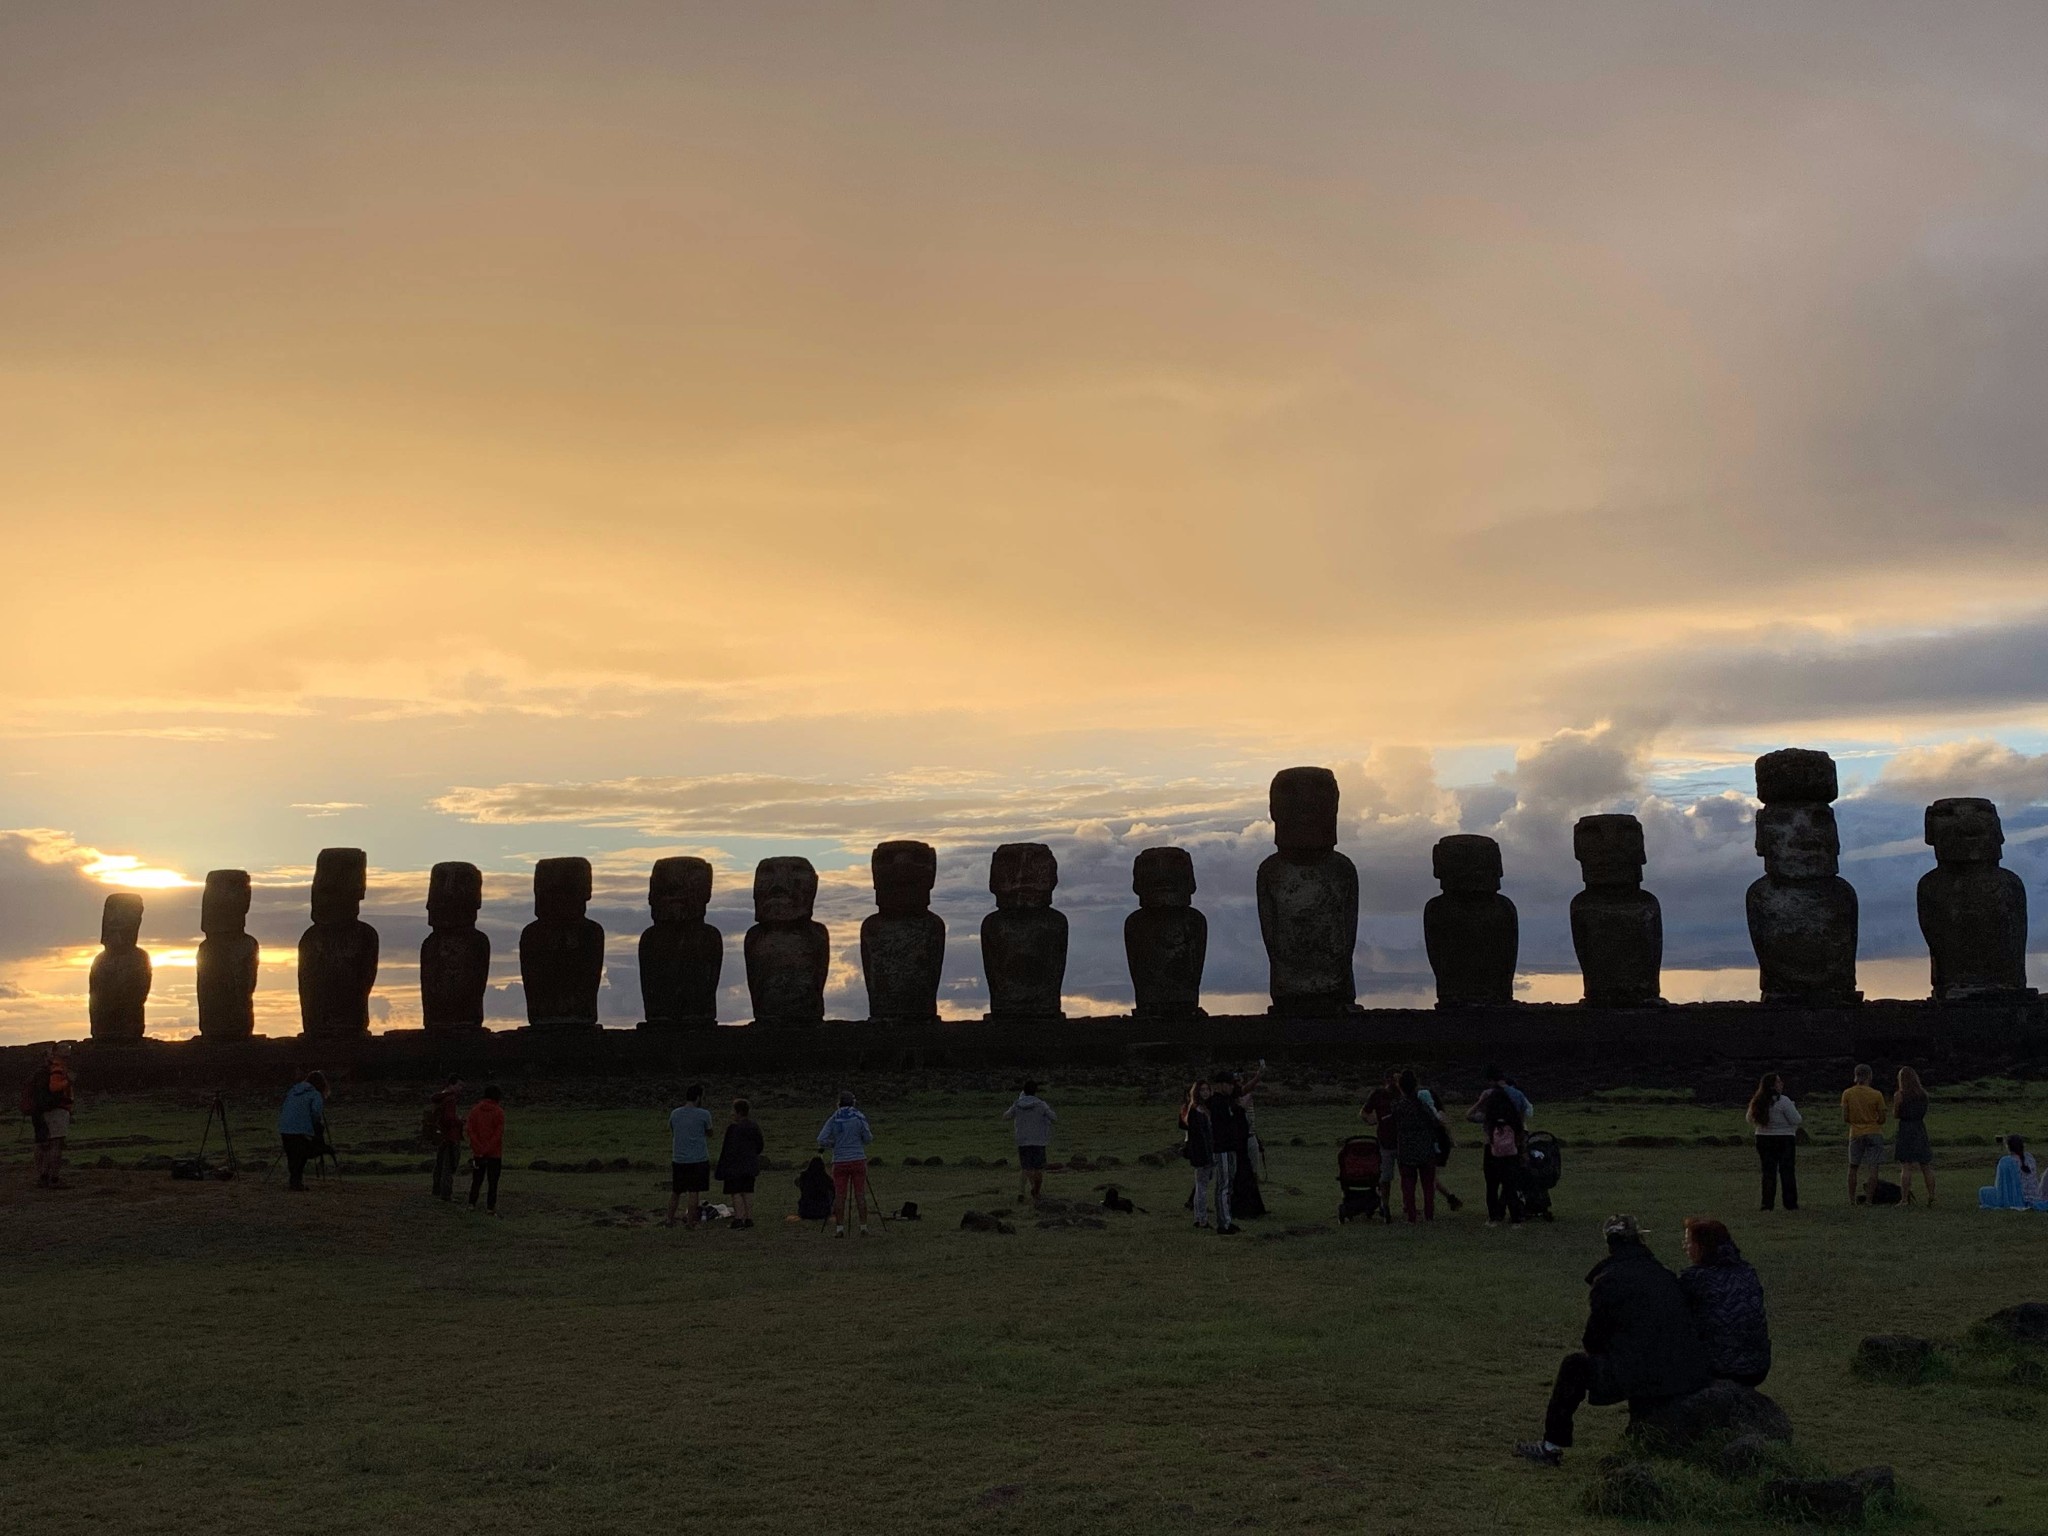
{"x": 487, "y": 1129}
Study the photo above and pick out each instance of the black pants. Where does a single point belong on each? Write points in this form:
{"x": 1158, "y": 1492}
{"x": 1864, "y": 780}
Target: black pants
{"x": 1580, "y": 1378}
{"x": 480, "y": 1170}
{"x": 1775, "y": 1154}
{"x": 1503, "y": 1188}
{"x": 297, "y": 1149}
{"x": 446, "y": 1156}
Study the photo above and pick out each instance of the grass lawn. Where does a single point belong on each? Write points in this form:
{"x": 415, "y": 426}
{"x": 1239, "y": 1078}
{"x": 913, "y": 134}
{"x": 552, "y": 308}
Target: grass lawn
{"x": 223, "y": 1358}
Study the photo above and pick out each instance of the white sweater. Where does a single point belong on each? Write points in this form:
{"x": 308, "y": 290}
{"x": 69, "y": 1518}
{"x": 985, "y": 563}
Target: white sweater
{"x": 1783, "y": 1119}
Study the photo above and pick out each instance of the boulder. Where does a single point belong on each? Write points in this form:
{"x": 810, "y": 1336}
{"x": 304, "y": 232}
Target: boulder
{"x": 2026, "y": 1323}
{"x": 1744, "y": 1455}
{"x": 977, "y": 1221}
{"x": 1899, "y": 1357}
{"x": 1720, "y": 1411}
{"x": 1822, "y": 1500}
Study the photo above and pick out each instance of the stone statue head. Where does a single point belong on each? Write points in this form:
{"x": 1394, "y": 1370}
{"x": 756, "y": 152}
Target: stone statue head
{"x": 224, "y": 907}
{"x": 679, "y": 889}
{"x": 1794, "y": 774}
{"x": 1467, "y": 863}
{"x": 1798, "y": 841}
{"x": 904, "y": 875}
{"x": 1303, "y": 802}
{"x": 785, "y": 890}
{"x": 1609, "y": 849}
{"x": 1164, "y": 877}
{"x": 121, "y": 921}
{"x": 1023, "y": 875}
{"x": 455, "y": 894}
{"x": 341, "y": 879}
{"x": 1965, "y": 831}
{"x": 561, "y": 888}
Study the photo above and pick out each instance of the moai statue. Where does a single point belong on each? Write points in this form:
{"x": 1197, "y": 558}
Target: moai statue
{"x": 1973, "y": 911}
{"x": 788, "y": 954}
{"x": 227, "y": 958}
{"x": 338, "y": 954}
{"x": 1802, "y": 914}
{"x": 455, "y": 959}
{"x": 1166, "y": 940}
{"x": 1024, "y": 941}
{"x": 561, "y": 952}
{"x": 1308, "y": 899}
{"x": 903, "y": 946}
{"x": 1471, "y": 930}
{"x": 119, "y": 984}
{"x": 1617, "y": 926}
{"x": 681, "y": 956}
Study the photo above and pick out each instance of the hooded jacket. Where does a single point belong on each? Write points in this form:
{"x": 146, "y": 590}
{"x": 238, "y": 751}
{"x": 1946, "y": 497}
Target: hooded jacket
{"x": 1727, "y": 1302}
{"x": 303, "y": 1112}
{"x": 1639, "y": 1326}
{"x": 847, "y": 1134}
{"x": 1033, "y": 1118}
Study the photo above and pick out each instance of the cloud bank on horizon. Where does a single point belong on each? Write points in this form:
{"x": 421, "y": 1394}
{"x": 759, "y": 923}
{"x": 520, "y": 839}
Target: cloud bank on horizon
{"x": 504, "y": 430}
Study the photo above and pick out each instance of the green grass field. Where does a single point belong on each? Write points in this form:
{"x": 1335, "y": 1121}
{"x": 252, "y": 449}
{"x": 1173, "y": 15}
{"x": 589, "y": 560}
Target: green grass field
{"x": 229, "y": 1357}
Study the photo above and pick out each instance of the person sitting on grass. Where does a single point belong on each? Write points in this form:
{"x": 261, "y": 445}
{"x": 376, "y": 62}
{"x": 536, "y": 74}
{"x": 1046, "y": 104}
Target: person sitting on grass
{"x": 689, "y": 1127}
{"x": 814, "y": 1192}
{"x": 485, "y": 1128}
{"x": 1032, "y": 1118}
{"x": 1727, "y": 1302}
{"x": 846, "y": 1135}
{"x": 2017, "y": 1184}
{"x": 739, "y": 1161}
{"x": 1641, "y": 1346}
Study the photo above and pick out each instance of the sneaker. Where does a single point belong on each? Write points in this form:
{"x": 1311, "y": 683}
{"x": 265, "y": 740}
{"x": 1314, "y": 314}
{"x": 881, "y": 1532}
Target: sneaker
{"x": 1491, "y": 1222}
{"x": 839, "y": 1231}
{"x": 864, "y": 1229}
{"x": 1452, "y": 1200}
{"x": 1541, "y": 1452}
{"x": 1230, "y": 1231}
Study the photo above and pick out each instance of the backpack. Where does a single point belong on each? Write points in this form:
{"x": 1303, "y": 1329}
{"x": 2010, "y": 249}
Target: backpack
{"x": 1500, "y": 1141}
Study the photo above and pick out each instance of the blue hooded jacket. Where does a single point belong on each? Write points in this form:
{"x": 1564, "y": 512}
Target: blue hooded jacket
{"x": 847, "y": 1133}
{"x": 304, "y": 1110}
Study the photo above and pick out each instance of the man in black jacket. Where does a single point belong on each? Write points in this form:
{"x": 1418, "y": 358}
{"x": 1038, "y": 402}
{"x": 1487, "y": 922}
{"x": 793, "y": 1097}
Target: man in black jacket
{"x": 1641, "y": 1343}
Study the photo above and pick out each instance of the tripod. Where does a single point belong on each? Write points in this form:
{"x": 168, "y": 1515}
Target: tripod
{"x": 217, "y": 1109}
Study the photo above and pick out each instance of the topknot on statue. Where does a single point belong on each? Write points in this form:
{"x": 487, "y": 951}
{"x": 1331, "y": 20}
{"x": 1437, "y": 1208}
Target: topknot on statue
{"x": 1794, "y": 774}
{"x": 1303, "y": 804}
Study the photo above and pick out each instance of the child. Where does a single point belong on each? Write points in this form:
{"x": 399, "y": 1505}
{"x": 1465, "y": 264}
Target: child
{"x": 485, "y": 1128}
{"x": 739, "y": 1161}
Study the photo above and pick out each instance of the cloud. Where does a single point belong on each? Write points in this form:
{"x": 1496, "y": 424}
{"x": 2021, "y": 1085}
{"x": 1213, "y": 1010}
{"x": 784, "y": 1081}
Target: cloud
{"x": 1978, "y": 766}
{"x": 319, "y": 808}
{"x": 52, "y": 889}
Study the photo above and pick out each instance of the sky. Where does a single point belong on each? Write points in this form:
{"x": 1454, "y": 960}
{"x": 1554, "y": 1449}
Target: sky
{"x": 489, "y": 431}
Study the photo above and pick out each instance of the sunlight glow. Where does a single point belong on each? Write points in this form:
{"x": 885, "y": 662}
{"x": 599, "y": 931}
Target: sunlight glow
{"x": 125, "y": 869}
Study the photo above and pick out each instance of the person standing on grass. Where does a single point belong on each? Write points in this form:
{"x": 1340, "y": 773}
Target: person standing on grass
{"x": 485, "y": 1129}
{"x": 1417, "y": 1121}
{"x": 1379, "y": 1109}
{"x": 444, "y": 1113}
{"x": 1777, "y": 1122}
{"x": 1727, "y": 1302}
{"x": 1640, "y": 1346}
{"x": 1233, "y": 1150}
{"x": 1497, "y": 1078}
{"x": 302, "y": 1125}
{"x": 1912, "y": 1149}
{"x": 847, "y": 1134}
{"x": 1863, "y": 1109}
{"x": 1499, "y": 1118}
{"x": 1200, "y": 1150}
{"x": 1031, "y": 1118}
{"x": 689, "y": 1126}
{"x": 739, "y": 1161}
{"x": 47, "y": 1101}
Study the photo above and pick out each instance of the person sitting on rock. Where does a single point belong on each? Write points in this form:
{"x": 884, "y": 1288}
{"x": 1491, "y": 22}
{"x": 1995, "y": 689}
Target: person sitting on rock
{"x": 1727, "y": 1302}
{"x": 1640, "y": 1343}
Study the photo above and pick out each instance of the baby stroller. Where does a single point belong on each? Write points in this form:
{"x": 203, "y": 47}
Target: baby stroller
{"x": 1541, "y": 1168}
{"x": 1358, "y": 1177}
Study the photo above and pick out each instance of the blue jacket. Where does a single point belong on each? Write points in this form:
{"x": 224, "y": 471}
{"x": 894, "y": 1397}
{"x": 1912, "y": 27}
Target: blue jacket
{"x": 847, "y": 1133}
{"x": 304, "y": 1110}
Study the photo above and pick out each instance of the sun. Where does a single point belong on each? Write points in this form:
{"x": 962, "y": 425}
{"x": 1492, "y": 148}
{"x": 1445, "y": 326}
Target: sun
{"x": 125, "y": 869}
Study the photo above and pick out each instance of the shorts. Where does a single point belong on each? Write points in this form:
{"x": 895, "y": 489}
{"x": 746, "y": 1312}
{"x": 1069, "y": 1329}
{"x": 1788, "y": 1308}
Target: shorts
{"x": 689, "y": 1178}
{"x": 57, "y": 1122}
{"x": 738, "y": 1186}
{"x": 1866, "y": 1151}
{"x": 846, "y": 1176}
{"x": 1030, "y": 1159}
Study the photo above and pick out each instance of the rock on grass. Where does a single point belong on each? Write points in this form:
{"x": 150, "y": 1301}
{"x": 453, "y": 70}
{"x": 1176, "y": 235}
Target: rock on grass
{"x": 1897, "y": 1357}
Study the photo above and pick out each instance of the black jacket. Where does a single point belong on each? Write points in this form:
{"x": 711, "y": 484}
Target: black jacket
{"x": 739, "y": 1154}
{"x": 1200, "y": 1147}
{"x": 1641, "y": 1328}
{"x": 1727, "y": 1302}
{"x": 1231, "y": 1130}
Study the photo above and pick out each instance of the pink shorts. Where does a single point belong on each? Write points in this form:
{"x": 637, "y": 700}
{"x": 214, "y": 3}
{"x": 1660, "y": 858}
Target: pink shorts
{"x": 853, "y": 1175}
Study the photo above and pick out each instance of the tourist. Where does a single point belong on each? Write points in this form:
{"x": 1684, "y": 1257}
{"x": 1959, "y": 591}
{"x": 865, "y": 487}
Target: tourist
{"x": 485, "y": 1129}
{"x": 1234, "y": 1172}
{"x": 2017, "y": 1184}
{"x": 47, "y": 1102}
{"x": 1444, "y": 1145}
{"x": 814, "y": 1192}
{"x": 689, "y": 1126}
{"x": 1777, "y": 1122}
{"x": 1031, "y": 1120}
{"x": 302, "y": 1125}
{"x": 1727, "y": 1302}
{"x": 1417, "y": 1123}
{"x": 1496, "y": 1078}
{"x": 1911, "y": 1149}
{"x": 1247, "y": 1086}
{"x": 444, "y": 1124}
{"x": 1504, "y": 1134}
{"x": 1379, "y": 1109}
{"x": 846, "y": 1135}
{"x": 739, "y": 1161}
{"x": 1863, "y": 1108}
{"x": 1640, "y": 1344}
{"x": 1200, "y": 1150}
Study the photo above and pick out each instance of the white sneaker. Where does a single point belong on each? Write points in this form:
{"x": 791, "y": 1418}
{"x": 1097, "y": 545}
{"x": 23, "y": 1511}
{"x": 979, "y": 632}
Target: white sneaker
{"x": 864, "y": 1229}
{"x": 839, "y": 1231}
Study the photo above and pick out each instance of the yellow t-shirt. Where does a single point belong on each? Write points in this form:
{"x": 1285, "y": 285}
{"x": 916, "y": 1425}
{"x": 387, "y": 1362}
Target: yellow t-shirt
{"x": 1863, "y": 1108}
